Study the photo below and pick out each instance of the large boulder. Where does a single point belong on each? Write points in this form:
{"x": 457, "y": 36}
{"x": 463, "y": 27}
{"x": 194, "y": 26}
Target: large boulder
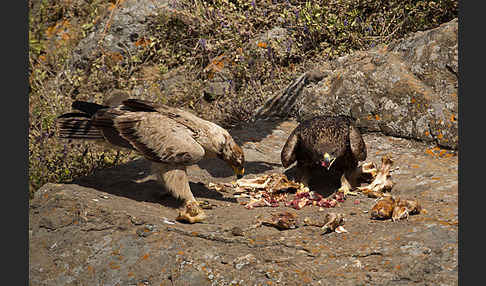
{"x": 405, "y": 89}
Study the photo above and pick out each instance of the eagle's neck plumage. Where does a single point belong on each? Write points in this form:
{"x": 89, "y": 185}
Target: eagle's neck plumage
{"x": 213, "y": 139}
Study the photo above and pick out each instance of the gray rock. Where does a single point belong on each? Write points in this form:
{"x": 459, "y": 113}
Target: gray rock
{"x": 118, "y": 32}
{"x": 78, "y": 236}
{"x": 406, "y": 89}
{"x": 275, "y": 44}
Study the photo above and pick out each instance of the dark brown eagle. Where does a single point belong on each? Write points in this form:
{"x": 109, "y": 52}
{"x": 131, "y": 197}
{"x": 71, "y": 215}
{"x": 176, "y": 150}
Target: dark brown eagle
{"x": 170, "y": 138}
{"x": 331, "y": 145}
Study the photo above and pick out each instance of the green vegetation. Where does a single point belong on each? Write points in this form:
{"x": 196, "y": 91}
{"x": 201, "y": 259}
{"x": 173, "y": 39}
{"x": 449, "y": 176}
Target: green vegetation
{"x": 196, "y": 43}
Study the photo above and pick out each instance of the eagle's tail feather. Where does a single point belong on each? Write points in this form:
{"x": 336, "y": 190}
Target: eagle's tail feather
{"x": 77, "y": 126}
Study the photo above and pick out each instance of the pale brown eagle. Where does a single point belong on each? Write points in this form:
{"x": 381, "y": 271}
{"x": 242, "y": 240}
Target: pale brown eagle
{"x": 330, "y": 144}
{"x": 170, "y": 138}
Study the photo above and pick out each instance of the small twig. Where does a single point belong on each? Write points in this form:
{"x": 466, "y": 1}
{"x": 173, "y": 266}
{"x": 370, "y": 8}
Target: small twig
{"x": 108, "y": 23}
{"x": 127, "y": 50}
{"x": 393, "y": 32}
{"x": 388, "y": 27}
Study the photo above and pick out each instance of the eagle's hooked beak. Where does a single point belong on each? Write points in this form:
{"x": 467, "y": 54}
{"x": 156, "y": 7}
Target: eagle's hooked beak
{"x": 239, "y": 171}
{"x": 328, "y": 160}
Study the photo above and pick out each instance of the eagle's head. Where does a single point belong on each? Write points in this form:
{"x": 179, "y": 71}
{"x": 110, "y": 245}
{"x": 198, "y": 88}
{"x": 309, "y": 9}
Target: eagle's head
{"x": 234, "y": 156}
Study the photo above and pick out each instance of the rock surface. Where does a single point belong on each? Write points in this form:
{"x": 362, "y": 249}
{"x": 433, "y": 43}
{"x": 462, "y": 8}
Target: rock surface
{"x": 107, "y": 230}
{"x": 118, "y": 32}
{"x": 406, "y": 89}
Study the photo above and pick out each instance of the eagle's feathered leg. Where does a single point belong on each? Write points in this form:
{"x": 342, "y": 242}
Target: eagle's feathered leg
{"x": 174, "y": 179}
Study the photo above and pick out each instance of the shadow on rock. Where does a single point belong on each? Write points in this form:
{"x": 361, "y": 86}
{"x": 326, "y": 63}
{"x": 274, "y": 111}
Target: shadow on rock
{"x": 255, "y": 131}
{"x": 258, "y": 167}
{"x": 122, "y": 181}
{"x": 218, "y": 169}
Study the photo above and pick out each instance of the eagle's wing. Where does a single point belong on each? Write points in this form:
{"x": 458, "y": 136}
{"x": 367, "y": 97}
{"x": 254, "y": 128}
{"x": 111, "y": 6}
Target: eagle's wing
{"x": 288, "y": 154}
{"x": 103, "y": 120}
{"x": 181, "y": 116}
{"x": 158, "y": 138}
{"x": 358, "y": 147}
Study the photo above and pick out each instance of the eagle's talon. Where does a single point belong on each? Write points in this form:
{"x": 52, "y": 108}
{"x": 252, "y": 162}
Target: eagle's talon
{"x": 347, "y": 192}
{"x": 191, "y": 213}
{"x": 205, "y": 205}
